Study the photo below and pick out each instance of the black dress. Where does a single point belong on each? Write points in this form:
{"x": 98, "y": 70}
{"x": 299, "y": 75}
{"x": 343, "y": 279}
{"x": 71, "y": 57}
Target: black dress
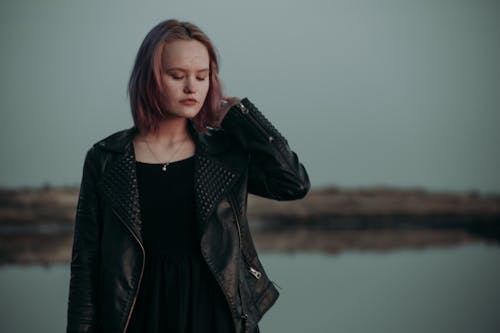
{"x": 178, "y": 292}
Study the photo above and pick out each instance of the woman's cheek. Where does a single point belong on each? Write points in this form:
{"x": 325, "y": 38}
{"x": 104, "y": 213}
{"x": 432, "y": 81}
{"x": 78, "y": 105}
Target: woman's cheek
{"x": 205, "y": 89}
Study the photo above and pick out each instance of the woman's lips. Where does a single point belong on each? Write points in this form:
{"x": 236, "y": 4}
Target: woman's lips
{"x": 188, "y": 101}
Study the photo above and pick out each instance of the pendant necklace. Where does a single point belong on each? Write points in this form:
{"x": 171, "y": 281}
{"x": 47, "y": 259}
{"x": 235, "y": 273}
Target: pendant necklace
{"x": 165, "y": 164}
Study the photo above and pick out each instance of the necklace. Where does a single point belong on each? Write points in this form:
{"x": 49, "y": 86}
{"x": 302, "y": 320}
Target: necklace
{"x": 165, "y": 164}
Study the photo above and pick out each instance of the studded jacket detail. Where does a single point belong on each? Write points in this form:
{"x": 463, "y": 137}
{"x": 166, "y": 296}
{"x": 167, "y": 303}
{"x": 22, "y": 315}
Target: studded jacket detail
{"x": 245, "y": 155}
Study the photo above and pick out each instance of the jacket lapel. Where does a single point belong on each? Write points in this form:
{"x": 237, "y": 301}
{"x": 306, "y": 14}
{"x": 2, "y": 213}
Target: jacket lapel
{"x": 212, "y": 179}
{"x": 119, "y": 185}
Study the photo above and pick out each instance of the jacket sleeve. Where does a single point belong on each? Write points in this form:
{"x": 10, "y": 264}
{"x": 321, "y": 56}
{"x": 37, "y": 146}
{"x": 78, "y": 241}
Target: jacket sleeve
{"x": 82, "y": 303}
{"x": 274, "y": 170}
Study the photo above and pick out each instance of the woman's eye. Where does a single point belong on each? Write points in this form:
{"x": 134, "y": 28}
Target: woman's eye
{"x": 201, "y": 78}
{"x": 175, "y": 77}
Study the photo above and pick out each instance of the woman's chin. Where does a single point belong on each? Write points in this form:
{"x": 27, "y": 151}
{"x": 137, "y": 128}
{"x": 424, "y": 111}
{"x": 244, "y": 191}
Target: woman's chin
{"x": 191, "y": 115}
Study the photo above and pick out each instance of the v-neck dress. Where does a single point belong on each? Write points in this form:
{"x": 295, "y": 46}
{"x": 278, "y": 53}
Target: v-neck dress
{"x": 178, "y": 293}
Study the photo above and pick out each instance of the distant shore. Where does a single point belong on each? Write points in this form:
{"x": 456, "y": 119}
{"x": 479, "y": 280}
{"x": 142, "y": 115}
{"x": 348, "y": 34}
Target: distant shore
{"x": 36, "y": 225}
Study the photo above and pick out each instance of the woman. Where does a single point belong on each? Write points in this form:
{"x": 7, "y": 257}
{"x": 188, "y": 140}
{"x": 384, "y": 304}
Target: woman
{"x": 161, "y": 240}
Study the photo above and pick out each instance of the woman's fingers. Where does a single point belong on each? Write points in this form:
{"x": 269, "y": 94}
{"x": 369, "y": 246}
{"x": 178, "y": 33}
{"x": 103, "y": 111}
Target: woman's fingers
{"x": 231, "y": 100}
{"x": 225, "y": 104}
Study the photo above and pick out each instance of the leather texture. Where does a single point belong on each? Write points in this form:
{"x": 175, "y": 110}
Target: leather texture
{"x": 245, "y": 155}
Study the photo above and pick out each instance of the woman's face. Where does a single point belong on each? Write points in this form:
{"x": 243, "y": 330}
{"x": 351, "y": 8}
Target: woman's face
{"x": 185, "y": 77}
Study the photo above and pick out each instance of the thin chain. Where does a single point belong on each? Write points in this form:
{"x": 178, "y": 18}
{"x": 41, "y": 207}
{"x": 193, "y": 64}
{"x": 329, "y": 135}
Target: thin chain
{"x": 165, "y": 164}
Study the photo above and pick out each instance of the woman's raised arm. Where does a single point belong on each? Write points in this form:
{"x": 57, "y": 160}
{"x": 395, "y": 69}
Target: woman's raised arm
{"x": 275, "y": 171}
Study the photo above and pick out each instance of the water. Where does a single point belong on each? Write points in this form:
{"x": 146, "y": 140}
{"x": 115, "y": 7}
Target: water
{"x": 440, "y": 289}
{"x": 451, "y": 289}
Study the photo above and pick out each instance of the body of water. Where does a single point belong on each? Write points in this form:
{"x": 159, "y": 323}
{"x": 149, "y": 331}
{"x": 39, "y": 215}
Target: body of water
{"x": 439, "y": 289}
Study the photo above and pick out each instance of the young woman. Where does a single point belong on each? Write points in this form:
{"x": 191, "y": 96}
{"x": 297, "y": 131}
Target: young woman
{"x": 161, "y": 239}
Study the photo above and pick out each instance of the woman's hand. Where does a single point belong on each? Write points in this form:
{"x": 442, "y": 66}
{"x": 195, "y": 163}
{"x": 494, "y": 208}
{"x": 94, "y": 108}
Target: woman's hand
{"x": 226, "y": 104}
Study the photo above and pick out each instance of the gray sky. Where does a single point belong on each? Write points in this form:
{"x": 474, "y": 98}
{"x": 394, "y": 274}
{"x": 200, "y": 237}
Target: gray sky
{"x": 399, "y": 93}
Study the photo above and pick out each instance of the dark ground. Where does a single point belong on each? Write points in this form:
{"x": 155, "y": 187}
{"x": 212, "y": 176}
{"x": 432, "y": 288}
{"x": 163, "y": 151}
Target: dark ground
{"x": 36, "y": 225}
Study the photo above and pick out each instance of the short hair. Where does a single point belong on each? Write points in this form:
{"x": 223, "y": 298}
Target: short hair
{"x": 145, "y": 80}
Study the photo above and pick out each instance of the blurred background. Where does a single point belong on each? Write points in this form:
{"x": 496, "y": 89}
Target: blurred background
{"x": 392, "y": 106}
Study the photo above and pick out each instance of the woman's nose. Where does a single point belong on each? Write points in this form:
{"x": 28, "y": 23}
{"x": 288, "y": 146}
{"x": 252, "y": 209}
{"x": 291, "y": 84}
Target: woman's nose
{"x": 189, "y": 86}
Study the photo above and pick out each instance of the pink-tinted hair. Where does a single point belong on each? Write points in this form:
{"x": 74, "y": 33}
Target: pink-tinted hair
{"x": 144, "y": 88}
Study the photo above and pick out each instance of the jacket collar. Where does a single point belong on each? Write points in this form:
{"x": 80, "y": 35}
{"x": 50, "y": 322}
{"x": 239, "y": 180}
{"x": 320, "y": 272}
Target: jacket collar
{"x": 212, "y": 177}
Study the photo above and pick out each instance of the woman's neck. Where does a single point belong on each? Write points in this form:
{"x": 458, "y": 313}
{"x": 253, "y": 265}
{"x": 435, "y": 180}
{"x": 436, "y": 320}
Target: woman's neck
{"x": 172, "y": 142}
{"x": 169, "y": 132}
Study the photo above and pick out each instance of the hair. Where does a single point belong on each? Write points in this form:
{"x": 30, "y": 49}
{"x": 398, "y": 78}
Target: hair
{"x": 145, "y": 87}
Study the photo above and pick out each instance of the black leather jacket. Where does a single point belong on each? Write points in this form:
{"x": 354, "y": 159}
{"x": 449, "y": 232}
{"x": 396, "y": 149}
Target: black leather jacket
{"x": 247, "y": 154}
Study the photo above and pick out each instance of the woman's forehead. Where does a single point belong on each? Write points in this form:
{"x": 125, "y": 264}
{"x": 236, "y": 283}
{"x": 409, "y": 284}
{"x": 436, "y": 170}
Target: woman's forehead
{"x": 185, "y": 55}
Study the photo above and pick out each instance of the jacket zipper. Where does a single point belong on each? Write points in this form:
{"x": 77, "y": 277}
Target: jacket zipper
{"x": 244, "y": 315}
{"x": 140, "y": 276}
{"x": 244, "y": 110}
{"x": 247, "y": 112}
{"x": 255, "y": 273}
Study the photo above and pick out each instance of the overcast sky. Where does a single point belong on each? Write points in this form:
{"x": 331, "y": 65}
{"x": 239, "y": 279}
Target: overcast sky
{"x": 401, "y": 93}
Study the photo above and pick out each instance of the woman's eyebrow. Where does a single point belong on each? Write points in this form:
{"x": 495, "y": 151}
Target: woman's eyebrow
{"x": 185, "y": 70}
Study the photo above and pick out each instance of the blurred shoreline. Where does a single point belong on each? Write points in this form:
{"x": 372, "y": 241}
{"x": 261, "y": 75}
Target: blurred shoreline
{"x": 36, "y": 225}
